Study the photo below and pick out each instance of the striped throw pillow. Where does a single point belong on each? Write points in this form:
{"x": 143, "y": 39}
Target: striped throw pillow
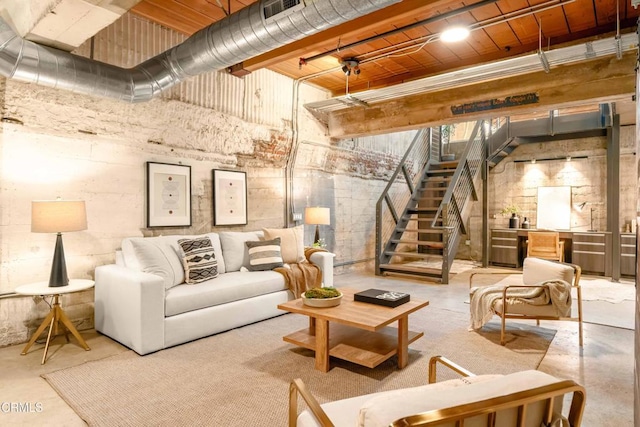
{"x": 199, "y": 260}
{"x": 264, "y": 255}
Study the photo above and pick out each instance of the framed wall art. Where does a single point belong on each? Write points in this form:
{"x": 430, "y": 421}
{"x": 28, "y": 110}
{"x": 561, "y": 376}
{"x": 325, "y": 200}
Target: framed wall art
{"x": 168, "y": 195}
{"x": 229, "y": 197}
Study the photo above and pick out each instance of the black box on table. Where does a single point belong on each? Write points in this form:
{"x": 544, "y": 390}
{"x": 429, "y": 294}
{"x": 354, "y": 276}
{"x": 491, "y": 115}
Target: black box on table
{"x": 382, "y": 297}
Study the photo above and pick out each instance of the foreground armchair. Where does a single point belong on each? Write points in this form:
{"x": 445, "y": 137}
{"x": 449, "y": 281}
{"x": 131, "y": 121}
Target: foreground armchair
{"x": 527, "y": 398}
{"x": 543, "y": 294}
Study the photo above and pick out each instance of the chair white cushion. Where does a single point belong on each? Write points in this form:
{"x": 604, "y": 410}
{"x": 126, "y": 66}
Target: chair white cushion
{"x": 527, "y": 309}
{"x": 345, "y": 412}
{"x": 384, "y": 409}
{"x": 536, "y": 270}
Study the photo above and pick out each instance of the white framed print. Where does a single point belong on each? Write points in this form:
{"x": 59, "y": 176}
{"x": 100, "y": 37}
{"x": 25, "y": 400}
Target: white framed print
{"x": 168, "y": 195}
{"x": 229, "y": 197}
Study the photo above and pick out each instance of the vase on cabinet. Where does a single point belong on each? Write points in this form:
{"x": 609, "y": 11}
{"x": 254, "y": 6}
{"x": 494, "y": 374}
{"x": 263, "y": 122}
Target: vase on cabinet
{"x": 514, "y": 221}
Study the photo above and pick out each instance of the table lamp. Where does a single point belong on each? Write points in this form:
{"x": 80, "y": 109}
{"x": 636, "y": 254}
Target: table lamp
{"x": 317, "y": 216}
{"x": 58, "y": 216}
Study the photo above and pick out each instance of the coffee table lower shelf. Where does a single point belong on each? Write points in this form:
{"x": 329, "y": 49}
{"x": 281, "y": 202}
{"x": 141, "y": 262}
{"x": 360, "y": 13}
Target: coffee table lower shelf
{"x": 355, "y": 345}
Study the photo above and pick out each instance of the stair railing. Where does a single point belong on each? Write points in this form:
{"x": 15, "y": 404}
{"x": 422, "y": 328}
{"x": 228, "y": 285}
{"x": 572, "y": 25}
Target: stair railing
{"x": 423, "y": 150}
{"x": 462, "y": 189}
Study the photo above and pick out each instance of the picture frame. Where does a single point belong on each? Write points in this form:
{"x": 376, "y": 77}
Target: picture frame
{"x": 229, "y": 197}
{"x": 168, "y": 195}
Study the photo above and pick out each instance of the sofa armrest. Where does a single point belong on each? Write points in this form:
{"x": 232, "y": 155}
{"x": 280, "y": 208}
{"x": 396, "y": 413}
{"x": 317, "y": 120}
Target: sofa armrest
{"x": 129, "y": 307}
{"x": 324, "y": 260}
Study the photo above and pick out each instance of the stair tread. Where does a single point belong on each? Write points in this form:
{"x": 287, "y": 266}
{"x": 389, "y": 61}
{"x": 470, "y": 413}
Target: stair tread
{"x": 409, "y": 254}
{"x": 437, "y": 245}
{"x": 422, "y": 230}
{"x": 411, "y": 269}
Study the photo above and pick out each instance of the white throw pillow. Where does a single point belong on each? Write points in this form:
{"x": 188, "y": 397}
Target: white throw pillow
{"x": 291, "y": 242}
{"x": 536, "y": 270}
{"x": 234, "y": 250}
{"x": 154, "y": 256}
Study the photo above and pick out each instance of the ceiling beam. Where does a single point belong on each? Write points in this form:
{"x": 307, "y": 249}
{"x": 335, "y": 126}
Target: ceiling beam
{"x": 365, "y": 24}
{"x": 600, "y": 80}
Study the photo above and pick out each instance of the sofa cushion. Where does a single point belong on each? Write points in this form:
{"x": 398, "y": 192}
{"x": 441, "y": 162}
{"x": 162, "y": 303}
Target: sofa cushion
{"x": 291, "y": 242}
{"x": 234, "y": 251}
{"x": 155, "y": 256}
{"x": 345, "y": 412}
{"x": 228, "y": 287}
{"x": 383, "y": 410}
{"x": 264, "y": 254}
{"x": 199, "y": 260}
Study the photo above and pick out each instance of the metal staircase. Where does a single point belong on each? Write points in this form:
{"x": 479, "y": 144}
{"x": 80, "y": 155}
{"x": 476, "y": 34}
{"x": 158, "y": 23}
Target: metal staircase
{"x": 422, "y": 211}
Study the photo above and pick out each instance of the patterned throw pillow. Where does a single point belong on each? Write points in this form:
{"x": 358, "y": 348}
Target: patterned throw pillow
{"x": 199, "y": 260}
{"x": 264, "y": 255}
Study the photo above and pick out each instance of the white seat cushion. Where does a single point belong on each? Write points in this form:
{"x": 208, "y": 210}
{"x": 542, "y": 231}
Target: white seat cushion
{"x": 225, "y": 288}
{"x": 345, "y": 412}
{"x": 383, "y": 410}
{"x": 528, "y": 309}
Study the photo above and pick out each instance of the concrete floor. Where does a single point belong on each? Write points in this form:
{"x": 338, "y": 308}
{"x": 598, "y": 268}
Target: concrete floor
{"x": 604, "y": 366}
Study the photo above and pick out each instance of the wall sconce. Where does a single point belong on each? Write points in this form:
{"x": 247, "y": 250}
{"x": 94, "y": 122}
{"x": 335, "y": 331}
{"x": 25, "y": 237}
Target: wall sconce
{"x": 350, "y": 65}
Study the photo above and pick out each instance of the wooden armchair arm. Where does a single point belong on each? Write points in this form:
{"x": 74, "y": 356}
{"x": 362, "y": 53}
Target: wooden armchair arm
{"x": 297, "y": 386}
{"x": 504, "y": 273}
{"x": 449, "y": 364}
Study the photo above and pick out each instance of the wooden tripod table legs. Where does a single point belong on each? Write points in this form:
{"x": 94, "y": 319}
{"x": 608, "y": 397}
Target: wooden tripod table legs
{"x": 53, "y": 319}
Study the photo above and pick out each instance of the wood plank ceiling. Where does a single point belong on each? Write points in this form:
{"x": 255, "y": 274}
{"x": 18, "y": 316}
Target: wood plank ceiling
{"x": 500, "y": 29}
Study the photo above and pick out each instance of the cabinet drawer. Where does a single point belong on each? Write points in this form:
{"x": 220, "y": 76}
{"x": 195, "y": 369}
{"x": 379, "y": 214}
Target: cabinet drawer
{"x": 504, "y": 247}
{"x": 628, "y": 254}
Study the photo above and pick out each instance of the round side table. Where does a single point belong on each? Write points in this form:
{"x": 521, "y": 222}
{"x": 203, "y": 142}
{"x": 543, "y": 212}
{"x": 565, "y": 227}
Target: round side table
{"x": 56, "y": 315}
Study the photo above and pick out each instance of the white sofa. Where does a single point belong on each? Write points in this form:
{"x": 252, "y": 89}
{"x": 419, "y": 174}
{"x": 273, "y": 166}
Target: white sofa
{"x": 142, "y": 301}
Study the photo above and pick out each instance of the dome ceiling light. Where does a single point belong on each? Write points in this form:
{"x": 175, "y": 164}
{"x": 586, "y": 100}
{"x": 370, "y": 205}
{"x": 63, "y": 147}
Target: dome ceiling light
{"x": 454, "y": 34}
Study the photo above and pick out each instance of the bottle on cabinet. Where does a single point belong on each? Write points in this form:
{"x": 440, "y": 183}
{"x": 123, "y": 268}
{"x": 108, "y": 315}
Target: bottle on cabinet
{"x": 525, "y": 223}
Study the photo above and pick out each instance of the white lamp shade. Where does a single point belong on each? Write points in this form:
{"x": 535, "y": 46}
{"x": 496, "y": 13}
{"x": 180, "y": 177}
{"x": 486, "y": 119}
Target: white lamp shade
{"x": 317, "y": 215}
{"x": 58, "y": 216}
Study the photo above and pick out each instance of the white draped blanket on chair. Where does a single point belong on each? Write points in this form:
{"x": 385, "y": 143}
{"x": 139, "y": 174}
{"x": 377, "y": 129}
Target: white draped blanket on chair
{"x": 483, "y": 299}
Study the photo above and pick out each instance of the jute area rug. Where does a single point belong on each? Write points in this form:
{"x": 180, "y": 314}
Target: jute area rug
{"x": 241, "y": 377}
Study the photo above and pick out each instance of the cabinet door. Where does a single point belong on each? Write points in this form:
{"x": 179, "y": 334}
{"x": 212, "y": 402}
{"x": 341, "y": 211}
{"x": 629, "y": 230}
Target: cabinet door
{"x": 589, "y": 252}
{"x": 628, "y": 254}
{"x": 504, "y": 248}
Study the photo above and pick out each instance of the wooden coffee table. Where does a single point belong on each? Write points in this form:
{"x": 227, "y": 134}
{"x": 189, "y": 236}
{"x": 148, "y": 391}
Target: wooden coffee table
{"x": 359, "y": 331}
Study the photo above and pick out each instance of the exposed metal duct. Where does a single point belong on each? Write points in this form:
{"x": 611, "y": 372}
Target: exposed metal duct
{"x": 247, "y": 33}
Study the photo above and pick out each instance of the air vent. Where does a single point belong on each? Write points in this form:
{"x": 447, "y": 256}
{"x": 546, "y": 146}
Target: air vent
{"x": 275, "y": 9}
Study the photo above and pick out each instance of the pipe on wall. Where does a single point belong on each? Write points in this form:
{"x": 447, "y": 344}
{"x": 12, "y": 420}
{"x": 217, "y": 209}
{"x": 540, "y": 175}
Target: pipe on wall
{"x": 235, "y": 38}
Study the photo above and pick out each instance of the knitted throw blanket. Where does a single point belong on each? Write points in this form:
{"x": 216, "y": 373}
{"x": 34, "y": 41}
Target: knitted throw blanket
{"x": 483, "y": 299}
{"x": 303, "y": 275}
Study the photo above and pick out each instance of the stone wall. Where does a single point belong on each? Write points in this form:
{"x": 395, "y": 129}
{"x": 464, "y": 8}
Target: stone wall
{"x": 56, "y": 143}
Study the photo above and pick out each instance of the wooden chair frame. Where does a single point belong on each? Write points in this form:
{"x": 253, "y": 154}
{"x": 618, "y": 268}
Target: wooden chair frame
{"x": 459, "y": 413}
{"x": 552, "y": 247}
{"x": 577, "y": 271}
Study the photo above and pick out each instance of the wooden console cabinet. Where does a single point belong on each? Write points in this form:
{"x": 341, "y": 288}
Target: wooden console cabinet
{"x": 592, "y": 252}
{"x": 505, "y": 247}
{"x": 627, "y": 254}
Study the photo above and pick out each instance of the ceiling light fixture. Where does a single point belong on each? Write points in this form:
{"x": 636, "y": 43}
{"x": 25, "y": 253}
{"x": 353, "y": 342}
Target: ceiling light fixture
{"x": 454, "y": 34}
{"x": 350, "y": 65}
